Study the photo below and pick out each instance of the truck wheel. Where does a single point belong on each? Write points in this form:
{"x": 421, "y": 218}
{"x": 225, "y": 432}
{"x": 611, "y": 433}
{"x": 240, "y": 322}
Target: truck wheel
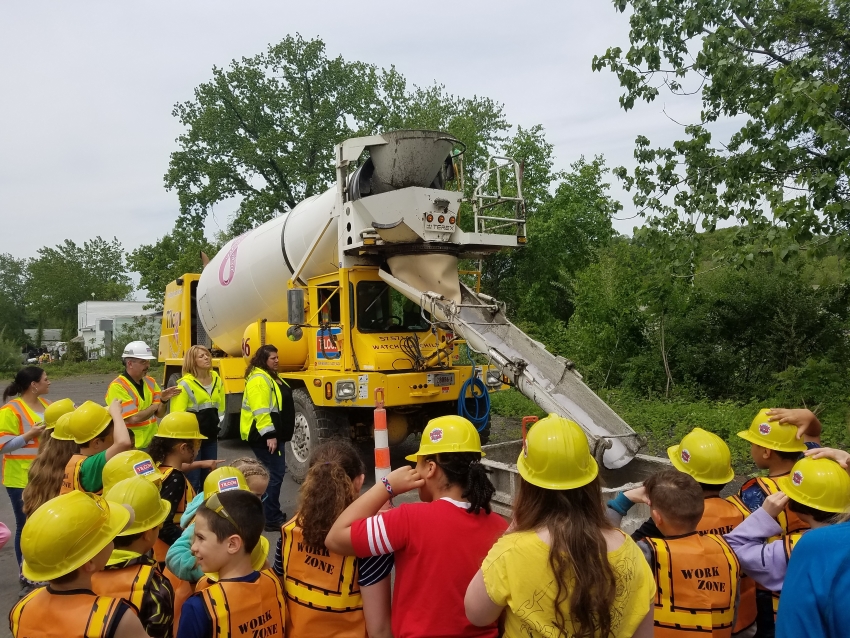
{"x": 228, "y": 427}
{"x": 312, "y": 426}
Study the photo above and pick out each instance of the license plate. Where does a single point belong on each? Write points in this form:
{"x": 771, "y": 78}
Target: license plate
{"x": 442, "y": 380}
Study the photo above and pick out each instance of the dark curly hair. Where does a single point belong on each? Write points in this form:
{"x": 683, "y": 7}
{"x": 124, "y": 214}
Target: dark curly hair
{"x": 465, "y": 469}
{"x": 260, "y": 360}
{"x": 161, "y": 447}
{"x": 328, "y": 489}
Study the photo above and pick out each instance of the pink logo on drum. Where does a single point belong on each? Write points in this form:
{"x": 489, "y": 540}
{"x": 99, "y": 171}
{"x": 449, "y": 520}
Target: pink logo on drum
{"x": 229, "y": 261}
{"x": 227, "y": 484}
{"x": 686, "y": 456}
{"x": 143, "y": 468}
{"x": 764, "y": 428}
{"x": 797, "y": 478}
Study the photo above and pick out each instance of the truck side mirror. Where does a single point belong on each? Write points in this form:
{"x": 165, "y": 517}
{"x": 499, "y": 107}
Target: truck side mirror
{"x": 295, "y": 306}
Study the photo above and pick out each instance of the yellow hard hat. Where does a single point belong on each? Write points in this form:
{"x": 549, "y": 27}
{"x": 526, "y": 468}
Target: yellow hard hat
{"x": 819, "y": 483}
{"x": 129, "y": 464}
{"x": 143, "y": 496}
{"x": 224, "y": 479}
{"x": 772, "y": 435}
{"x": 555, "y": 455}
{"x": 704, "y": 456}
{"x": 87, "y": 421}
{"x": 258, "y": 557}
{"x": 56, "y": 409}
{"x": 448, "y": 434}
{"x": 179, "y": 425}
{"x": 67, "y": 532}
{"x": 62, "y": 430}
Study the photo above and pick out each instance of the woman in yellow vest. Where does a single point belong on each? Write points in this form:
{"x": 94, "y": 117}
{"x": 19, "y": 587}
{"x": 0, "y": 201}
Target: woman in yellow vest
{"x": 202, "y": 394}
{"x": 21, "y": 423}
{"x": 267, "y": 422}
{"x": 562, "y": 568}
{"x": 327, "y": 593}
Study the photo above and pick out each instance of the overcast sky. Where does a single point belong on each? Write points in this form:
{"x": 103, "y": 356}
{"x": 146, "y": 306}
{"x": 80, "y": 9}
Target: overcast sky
{"x": 88, "y": 87}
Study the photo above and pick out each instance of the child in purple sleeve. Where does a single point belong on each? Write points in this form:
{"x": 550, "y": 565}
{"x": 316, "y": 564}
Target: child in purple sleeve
{"x": 816, "y": 489}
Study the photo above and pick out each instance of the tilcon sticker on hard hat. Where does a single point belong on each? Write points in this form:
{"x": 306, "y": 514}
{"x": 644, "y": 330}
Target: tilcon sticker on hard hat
{"x": 797, "y": 478}
{"x": 143, "y": 468}
{"x": 227, "y": 484}
{"x": 764, "y": 428}
{"x": 686, "y": 456}
{"x": 436, "y": 435}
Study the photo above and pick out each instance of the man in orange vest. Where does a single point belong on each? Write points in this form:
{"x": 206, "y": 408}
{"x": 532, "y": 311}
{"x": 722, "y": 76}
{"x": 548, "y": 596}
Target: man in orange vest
{"x": 700, "y": 572}
{"x": 142, "y": 400}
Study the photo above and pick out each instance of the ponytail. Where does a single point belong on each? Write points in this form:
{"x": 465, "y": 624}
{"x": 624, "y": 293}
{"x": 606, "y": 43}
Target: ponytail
{"x": 465, "y": 469}
{"x": 328, "y": 489}
{"x": 160, "y": 447}
{"x": 47, "y": 471}
{"x": 23, "y": 380}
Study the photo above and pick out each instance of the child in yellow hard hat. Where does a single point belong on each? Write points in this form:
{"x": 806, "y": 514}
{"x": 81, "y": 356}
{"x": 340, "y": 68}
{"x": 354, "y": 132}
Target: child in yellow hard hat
{"x": 131, "y": 574}
{"x": 182, "y": 569}
{"x": 699, "y": 594}
{"x": 816, "y": 489}
{"x": 101, "y": 434}
{"x": 309, "y": 572}
{"x": 130, "y": 464}
{"x": 173, "y": 451}
{"x": 52, "y": 414}
{"x": 65, "y": 542}
{"x": 584, "y": 576}
{"x": 48, "y": 469}
{"x": 228, "y": 527}
{"x": 439, "y": 542}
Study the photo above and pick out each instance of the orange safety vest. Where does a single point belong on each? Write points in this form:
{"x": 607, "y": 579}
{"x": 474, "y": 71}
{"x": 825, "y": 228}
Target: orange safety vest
{"x": 789, "y": 540}
{"x": 788, "y": 520}
{"x": 697, "y": 578}
{"x": 129, "y": 583}
{"x": 71, "y": 479}
{"x": 322, "y": 594}
{"x": 239, "y": 608}
{"x": 46, "y": 615}
{"x": 160, "y": 548}
{"x": 131, "y": 407}
{"x": 721, "y": 516}
{"x": 182, "y": 590}
{"x": 16, "y": 464}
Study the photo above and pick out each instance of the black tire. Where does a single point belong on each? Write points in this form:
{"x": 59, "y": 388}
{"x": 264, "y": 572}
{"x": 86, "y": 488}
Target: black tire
{"x": 228, "y": 427}
{"x": 312, "y": 426}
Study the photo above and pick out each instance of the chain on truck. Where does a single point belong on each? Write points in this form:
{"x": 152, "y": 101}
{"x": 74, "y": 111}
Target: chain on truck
{"x": 359, "y": 289}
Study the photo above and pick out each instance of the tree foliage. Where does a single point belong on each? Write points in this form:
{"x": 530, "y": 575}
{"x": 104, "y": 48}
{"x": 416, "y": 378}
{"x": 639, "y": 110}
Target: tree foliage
{"x": 61, "y": 277}
{"x": 781, "y": 68}
{"x": 13, "y": 285}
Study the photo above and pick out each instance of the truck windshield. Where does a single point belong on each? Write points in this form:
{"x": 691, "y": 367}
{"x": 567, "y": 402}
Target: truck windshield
{"x": 383, "y": 309}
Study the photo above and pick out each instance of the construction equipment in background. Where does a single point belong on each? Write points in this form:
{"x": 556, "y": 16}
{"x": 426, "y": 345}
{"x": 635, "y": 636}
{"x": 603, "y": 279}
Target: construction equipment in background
{"x": 358, "y": 287}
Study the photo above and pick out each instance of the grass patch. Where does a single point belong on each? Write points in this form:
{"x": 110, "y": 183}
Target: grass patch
{"x": 63, "y": 370}
{"x": 664, "y": 422}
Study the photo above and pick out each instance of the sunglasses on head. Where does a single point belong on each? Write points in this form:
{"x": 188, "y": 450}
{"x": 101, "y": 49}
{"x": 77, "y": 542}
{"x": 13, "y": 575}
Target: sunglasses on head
{"x": 214, "y": 504}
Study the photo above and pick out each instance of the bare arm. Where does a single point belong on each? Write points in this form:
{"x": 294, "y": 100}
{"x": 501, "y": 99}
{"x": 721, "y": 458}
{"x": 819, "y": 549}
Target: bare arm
{"x": 377, "y": 608}
{"x": 130, "y": 627}
{"x": 401, "y": 480}
{"x": 646, "y": 628}
{"x": 808, "y": 425}
{"x": 480, "y": 609}
{"x": 121, "y": 437}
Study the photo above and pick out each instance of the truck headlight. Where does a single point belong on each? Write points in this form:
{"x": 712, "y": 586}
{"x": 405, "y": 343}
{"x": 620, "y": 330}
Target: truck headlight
{"x": 345, "y": 390}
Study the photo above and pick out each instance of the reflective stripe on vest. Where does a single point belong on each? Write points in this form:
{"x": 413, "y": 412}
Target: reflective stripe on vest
{"x": 274, "y": 405}
{"x": 697, "y": 578}
{"x": 789, "y": 541}
{"x": 134, "y": 405}
{"x": 71, "y": 479}
{"x": 788, "y": 520}
{"x": 739, "y": 505}
{"x": 195, "y": 406}
{"x": 129, "y": 583}
{"x": 241, "y": 608}
{"x": 719, "y": 517}
{"x": 26, "y": 422}
{"x": 320, "y": 586}
{"x": 85, "y": 615}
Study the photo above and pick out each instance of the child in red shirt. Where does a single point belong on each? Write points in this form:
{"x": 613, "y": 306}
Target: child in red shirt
{"x": 440, "y": 543}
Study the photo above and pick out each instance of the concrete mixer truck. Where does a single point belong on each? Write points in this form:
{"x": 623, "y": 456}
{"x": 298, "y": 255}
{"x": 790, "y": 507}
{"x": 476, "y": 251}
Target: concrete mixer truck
{"x": 359, "y": 289}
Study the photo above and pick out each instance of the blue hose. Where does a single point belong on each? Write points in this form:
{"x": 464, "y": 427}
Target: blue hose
{"x": 481, "y": 402}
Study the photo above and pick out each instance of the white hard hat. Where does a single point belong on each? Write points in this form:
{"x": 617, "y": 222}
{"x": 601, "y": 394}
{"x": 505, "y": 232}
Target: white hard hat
{"x": 138, "y": 350}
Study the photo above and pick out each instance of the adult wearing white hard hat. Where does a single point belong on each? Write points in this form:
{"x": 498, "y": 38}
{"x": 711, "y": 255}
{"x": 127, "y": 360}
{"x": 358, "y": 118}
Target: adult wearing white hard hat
{"x": 142, "y": 400}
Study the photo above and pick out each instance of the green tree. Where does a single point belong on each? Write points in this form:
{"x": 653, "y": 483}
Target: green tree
{"x": 264, "y": 129}
{"x": 782, "y": 70}
{"x": 63, "y": 276}
{"x": 13, "y": 287}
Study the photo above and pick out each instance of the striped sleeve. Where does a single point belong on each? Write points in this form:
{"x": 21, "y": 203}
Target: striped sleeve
{"x": 381, "y": 534}
{"x": 374, "y": 569}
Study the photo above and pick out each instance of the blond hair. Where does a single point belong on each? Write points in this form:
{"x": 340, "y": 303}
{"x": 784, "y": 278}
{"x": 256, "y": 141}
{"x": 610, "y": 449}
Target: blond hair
{"x": 189, "y": 365}
{"x": 46, "y": 472}
{"x": 249, "y": 466}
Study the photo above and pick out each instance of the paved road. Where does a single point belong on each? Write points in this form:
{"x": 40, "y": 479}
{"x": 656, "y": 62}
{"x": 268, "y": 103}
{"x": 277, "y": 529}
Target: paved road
{"x": 93, "y": 387}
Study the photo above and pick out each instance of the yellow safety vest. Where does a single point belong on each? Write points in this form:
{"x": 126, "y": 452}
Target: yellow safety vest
{"x": 132, "y": 403}
{"x": 16, "y": 419}
{"x": 261, "y": 398}
{"x": 322, "y": 594}
{"x": 697, "y": 578}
